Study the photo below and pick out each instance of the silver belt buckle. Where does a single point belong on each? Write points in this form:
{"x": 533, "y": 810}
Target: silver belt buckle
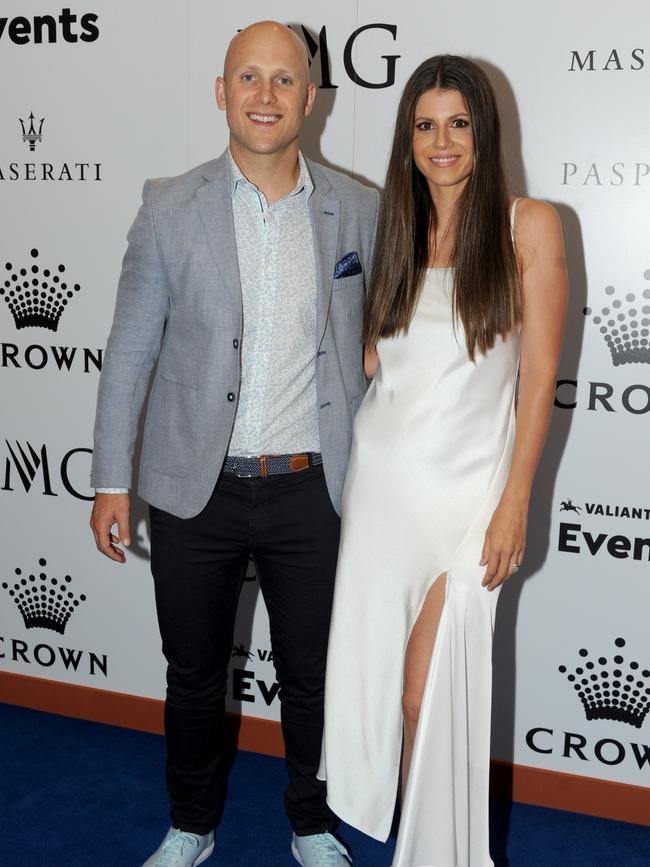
{"x": 243, "y": 475}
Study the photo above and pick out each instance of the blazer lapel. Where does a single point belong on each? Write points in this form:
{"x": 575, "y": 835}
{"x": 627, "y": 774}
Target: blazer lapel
{"x": 215, "y": 208}
{"x": 325, "y": 211}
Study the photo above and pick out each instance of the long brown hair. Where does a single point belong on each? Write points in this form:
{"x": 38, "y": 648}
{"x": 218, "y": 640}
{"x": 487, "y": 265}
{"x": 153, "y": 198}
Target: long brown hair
{"x": 486, "y": 295}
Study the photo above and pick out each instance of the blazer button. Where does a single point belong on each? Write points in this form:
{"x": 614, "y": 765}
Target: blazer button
{"x": 235, "y": 343}
{"x": 230, "y": 396}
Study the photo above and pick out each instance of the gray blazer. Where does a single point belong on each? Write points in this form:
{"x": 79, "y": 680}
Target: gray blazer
{"x": 179, "y": 304}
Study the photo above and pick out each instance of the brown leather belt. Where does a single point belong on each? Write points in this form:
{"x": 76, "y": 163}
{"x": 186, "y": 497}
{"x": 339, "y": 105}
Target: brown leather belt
{"x": 270, "y": 465}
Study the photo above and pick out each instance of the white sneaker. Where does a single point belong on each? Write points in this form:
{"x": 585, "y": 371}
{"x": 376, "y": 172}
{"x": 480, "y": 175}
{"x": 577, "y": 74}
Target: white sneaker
{"x": 182, "y": 849}
{"x": 319, "y": 850}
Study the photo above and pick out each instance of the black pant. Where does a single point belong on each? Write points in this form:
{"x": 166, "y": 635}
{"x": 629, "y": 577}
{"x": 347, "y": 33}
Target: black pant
{"x": 287, "y": 522}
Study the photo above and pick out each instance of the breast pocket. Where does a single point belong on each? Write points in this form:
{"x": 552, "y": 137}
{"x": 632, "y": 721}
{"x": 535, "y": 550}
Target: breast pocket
{"x": 348, "y": 298}
{"x": 170, "y": 427}
{"x": 349, "y": 284}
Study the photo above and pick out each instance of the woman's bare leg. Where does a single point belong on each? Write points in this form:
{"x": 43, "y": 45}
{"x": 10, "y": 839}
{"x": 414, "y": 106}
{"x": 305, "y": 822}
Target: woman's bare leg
{"x": 416, "y": 666}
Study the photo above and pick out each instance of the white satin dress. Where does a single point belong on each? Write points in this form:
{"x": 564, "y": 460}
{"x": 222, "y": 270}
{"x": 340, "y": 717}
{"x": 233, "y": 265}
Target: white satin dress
{"x": 431, "y": 452}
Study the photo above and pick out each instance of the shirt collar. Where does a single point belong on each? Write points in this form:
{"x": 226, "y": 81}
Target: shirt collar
{"x": 238, "y": 179}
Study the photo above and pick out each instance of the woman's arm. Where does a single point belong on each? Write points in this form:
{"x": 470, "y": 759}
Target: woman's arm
{"x": 370, "y": 361}
{"x": 540, "y": 251}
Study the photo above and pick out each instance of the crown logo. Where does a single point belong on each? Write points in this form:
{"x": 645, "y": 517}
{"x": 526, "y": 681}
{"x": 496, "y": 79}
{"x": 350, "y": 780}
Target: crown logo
{"x": 625, "y": 329}
{"x": 611, "y": 689}
{"x": 43, "y": 602}
{"x": 30, "y": 134}
{"x": 37, "y": 298}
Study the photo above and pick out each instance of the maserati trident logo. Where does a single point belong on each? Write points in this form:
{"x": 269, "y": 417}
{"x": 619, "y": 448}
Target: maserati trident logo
{"x": 625, "y": 325}
{"x": 30, "y": 133}
{"x": 28, "y": 170}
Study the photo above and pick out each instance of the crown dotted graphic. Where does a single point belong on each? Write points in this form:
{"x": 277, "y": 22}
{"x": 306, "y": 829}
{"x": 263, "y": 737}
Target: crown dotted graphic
{"x": 626, "y": 330}
{"x": 36, "y": 297}
{"x": 611, "y": 689}
{"x": 30, "y": 133}
{"x": 44, "y": 602}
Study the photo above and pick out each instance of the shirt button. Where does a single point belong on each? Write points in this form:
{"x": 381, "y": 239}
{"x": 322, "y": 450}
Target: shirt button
{"x": 235, "y": 343}
{"x": 230, "y": 396}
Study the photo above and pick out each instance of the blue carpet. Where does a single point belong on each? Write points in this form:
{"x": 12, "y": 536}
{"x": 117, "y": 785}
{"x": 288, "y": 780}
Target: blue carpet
{"x": 80, "y": 794}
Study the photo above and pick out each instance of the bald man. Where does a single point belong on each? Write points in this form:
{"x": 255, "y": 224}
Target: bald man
{"x": 244, "y": 280}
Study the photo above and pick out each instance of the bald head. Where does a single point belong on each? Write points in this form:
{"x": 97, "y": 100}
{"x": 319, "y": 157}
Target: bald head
{"x": 264, "y": 38}
{"x": 266, "y": 93}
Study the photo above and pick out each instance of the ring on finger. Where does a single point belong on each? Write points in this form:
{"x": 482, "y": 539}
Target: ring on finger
{"x": 513, "y": 567}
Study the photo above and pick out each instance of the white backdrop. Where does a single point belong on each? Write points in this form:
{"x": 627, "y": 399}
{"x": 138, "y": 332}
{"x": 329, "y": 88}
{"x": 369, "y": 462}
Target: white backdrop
{"x": 137, "y": 101}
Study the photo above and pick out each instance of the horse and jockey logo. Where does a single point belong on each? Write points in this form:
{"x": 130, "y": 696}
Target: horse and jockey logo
{"x": 567, "y": 506}
{"x": 240, "y": 650}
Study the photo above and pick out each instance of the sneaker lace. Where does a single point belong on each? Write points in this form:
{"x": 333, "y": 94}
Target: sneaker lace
{"x": 327, "y": 850}
{"x": 174, "y": 846}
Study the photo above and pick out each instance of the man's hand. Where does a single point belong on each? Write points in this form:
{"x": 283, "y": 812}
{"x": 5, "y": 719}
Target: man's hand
{"x": 110, "y": 509}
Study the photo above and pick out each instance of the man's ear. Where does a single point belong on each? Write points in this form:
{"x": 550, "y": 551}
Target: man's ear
{"x": 311, "y": 96}
{"x": 220, "y": 92}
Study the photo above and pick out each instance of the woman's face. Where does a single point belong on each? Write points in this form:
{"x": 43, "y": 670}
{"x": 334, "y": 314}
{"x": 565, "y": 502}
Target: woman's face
{"x": 443, "y": 143}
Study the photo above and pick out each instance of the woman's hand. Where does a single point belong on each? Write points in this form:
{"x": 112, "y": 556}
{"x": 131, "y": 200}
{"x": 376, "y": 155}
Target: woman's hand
{"x": 505, "y": 542}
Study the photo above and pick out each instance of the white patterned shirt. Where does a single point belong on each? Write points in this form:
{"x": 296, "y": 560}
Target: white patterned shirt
{"x": 276, "y": 412}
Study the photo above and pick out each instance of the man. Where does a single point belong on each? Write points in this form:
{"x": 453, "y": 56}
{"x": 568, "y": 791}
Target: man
{"x": 244, "y": 279}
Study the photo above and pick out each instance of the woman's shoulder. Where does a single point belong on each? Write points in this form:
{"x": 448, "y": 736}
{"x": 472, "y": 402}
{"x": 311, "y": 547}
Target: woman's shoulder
{"x": 532, "y": 216}
{"x": 537, "y": 232}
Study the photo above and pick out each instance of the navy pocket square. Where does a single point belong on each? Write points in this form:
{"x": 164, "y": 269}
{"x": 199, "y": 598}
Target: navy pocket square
{"x": 348, "y": 266}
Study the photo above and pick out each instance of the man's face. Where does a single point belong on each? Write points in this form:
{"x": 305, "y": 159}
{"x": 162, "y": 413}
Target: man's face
{"x": 265, "y": 90}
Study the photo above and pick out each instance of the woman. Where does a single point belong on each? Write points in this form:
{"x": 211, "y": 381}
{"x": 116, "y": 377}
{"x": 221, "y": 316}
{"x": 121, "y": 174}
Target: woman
{"x": 463, "y": 329}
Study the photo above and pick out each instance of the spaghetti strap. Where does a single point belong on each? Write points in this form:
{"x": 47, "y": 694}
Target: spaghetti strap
{"x": 513, "y": 210}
